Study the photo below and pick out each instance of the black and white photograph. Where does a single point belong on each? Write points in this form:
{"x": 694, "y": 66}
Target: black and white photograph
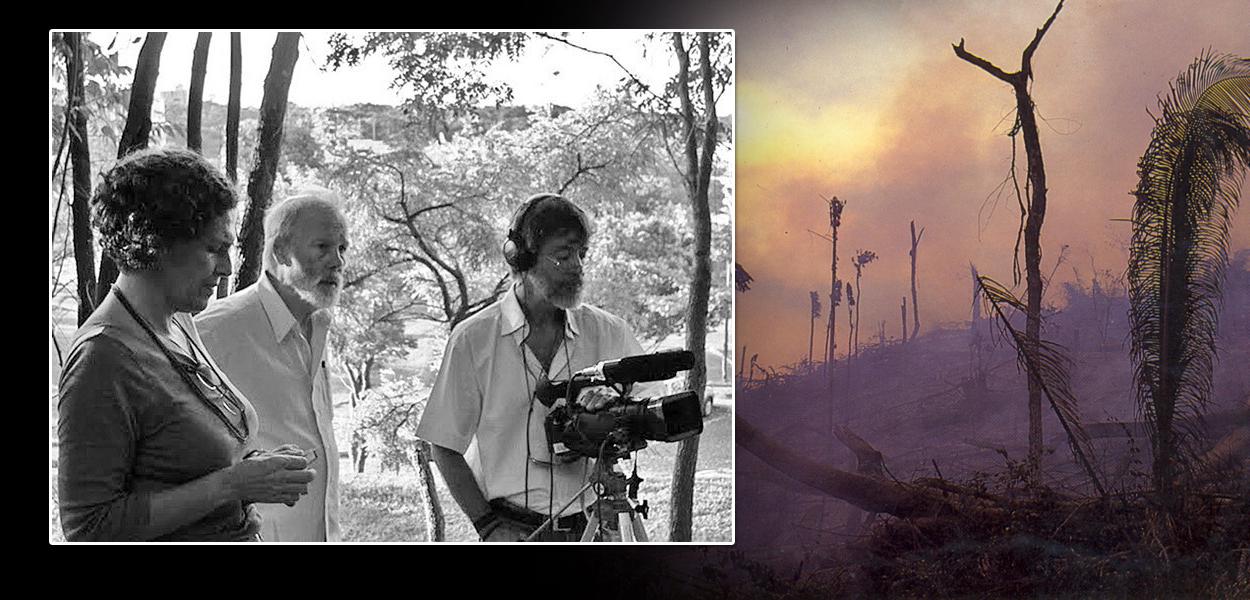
{"x": 391, "y": 286}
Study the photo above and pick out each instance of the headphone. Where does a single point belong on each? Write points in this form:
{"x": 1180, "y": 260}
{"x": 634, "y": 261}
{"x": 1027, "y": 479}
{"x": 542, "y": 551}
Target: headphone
{"x": 516, "y": 252}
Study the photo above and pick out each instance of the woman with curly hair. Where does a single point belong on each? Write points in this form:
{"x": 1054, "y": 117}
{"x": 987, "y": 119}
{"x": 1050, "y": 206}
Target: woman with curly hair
{"x": 151, "y": 433}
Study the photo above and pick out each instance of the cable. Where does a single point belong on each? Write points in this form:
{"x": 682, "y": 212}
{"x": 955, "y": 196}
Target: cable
{"x": 551, "y": 464}
{"x": 525, "y": 367}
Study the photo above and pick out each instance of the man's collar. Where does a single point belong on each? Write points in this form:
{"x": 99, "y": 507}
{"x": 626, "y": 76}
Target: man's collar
{"x": 514, "y": 317}
{"x": 280, "y": 316}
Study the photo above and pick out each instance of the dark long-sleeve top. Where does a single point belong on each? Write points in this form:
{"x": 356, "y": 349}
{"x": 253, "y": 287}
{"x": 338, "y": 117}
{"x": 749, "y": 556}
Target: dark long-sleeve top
{"x": 129, "y": 426}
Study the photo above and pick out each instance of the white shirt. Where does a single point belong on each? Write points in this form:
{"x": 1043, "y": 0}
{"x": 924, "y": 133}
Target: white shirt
{"x": 256, "y": 340}
{"x": 481, "y": 402}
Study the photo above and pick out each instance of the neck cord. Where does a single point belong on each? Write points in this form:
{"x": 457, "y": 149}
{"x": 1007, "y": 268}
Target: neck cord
{"x": 186, "y": 378}
{"x": 568, "y": 366}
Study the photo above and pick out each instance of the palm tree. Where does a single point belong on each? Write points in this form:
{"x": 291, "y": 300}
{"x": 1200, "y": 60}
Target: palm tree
{"x": 1190, "y": 178}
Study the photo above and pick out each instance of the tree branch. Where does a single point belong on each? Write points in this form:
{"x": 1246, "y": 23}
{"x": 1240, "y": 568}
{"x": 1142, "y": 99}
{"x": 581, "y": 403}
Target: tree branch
{"x": 581, "y": 170}
{"x": 985, "y": 65}
{"x": 410, "y": 216}
{"x": 358, "y": 280}
{"x": 1027, "y": 58}
{"x": 641, "y": 85}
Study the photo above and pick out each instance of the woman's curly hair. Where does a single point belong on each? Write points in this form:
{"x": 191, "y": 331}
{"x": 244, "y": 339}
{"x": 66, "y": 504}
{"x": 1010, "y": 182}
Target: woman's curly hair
{"x": 153, "y": 198}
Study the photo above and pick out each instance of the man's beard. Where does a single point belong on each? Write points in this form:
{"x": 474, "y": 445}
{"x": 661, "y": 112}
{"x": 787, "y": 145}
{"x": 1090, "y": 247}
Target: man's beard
{"x": 316, "y": 290}
{"x": 565, "y": 294}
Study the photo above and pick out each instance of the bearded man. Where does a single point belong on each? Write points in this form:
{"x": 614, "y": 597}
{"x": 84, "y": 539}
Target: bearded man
{"x": 270, "y": 339}
{"x": 482, "y": 418}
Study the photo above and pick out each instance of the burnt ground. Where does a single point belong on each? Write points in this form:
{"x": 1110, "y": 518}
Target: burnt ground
{"x": 935, "y": 409}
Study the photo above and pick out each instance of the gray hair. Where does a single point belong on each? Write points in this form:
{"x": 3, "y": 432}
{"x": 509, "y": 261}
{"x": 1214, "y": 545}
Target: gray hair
{"x": 280, "y": 218}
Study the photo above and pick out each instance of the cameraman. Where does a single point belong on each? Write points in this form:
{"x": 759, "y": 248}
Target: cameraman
{"x": 482, "y": 419}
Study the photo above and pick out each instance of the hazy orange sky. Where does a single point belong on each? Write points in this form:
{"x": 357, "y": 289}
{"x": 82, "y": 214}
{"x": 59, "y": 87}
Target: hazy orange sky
{"x": 868, "y": 102}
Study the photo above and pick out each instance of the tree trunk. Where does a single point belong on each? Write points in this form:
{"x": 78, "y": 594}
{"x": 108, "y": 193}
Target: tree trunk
{"x": 138, "y": 128}
{"x": 829, "y": 337}
{"x": 698, "y": 177}
{"x": 811, "y": 338}
{"x": 859, "y": 300}
{"x": 835, "y": 220}
{"x": 1027, "y": 121}
{"x": 80, "y": 158}
{"x": 851, "y": 325}
{"x": 1033, "y": 260}
{"x": 139, "y": 115}
{"x": 915, "y": 305}
{"x": 903, "y": 314}
{"x": 232, "y": 132}
{"x": 435, "y": 522}
{"x": 269, "y": 146}
{"x": 869, "y": 462}
{"x": 232, "y": 107}
{"x": 353, "y": 375}
{"x": 195, "y": 98}
{"x": 359, "y": 443}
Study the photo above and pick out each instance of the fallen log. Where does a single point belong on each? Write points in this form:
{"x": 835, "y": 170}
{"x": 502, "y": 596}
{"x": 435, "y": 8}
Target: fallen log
{"x": 870, "y": 461}
{"x": 869, "y": 493}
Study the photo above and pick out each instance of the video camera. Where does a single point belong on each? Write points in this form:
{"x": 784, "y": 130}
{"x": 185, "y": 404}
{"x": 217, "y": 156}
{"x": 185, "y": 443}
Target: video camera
{"x": 625, "y": 425}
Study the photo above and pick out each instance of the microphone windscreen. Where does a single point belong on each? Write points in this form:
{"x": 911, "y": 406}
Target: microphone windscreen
{"x": 649, "y": 367}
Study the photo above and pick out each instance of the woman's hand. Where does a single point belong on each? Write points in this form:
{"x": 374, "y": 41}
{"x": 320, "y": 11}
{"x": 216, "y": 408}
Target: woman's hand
{"x": 269, "y": 478}
{"x": 286, "y": 450}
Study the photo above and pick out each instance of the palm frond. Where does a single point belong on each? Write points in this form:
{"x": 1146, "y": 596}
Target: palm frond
{"x": 1048, "y": 364}
{"x": 1189, "y": 185}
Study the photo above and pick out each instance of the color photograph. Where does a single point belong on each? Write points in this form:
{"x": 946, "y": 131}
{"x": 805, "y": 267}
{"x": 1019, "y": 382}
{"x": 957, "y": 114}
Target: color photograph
{"x": 994, "y": 300}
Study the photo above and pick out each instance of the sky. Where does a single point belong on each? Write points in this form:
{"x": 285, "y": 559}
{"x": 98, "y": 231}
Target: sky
{"x": 867, "y": 101}
{"x": 547, "y": 72}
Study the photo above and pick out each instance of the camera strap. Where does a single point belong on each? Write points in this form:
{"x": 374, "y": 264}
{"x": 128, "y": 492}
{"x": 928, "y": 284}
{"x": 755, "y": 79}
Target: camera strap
{"x": 240, "y": 432}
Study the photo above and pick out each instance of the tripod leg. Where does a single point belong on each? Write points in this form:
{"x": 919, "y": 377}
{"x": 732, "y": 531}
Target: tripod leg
{"x": 625, "y": 524}
{"x": 640, "y": 530}
{"x": 592, "y": 524}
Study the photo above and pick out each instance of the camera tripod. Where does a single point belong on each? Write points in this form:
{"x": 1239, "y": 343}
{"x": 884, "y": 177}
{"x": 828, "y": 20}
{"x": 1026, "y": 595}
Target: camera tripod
{"x": 614, "y": 516}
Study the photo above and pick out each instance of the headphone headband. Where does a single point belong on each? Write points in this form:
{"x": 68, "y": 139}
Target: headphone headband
{"x": 516, "y": 251}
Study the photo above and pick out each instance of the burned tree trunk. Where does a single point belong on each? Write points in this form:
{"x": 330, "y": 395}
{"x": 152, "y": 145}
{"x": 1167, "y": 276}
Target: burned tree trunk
{"x": 265, "y": 167}
{"x": 835, "y": 220}
{"x": 902, "y": 309}
{"x": 850, "y": 322}
{"x": 915, "y": 304}
{"x": 811, "y": 334}
{"x": 1026, "y": 123}
{"x": 138, "y": 128}
{"x": 872, "y": 494}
